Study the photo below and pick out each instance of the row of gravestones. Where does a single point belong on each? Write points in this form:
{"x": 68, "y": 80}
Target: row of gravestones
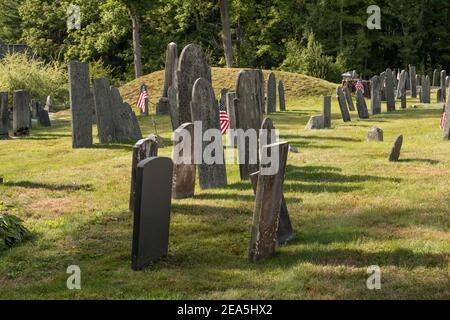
{"x": 155, "y": 181}
{"x": 22, "y": 114}
{"x": 116, "y": 121}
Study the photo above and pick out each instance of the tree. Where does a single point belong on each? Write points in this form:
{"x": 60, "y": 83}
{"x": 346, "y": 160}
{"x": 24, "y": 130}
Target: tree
{"x": 226, "y": 37}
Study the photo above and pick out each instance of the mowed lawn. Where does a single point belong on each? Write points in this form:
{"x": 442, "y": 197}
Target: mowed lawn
{"x": 350, "y": 208}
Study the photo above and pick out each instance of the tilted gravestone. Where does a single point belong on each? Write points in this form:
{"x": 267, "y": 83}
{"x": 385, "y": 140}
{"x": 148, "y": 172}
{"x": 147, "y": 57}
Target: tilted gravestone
{"x": 21, "y": 114}
{"x": 348, "y": 98}
{"x": 271, "y": 94}
{"x": 413, "y": 80}
{"x": 316, "y": 122}
{"x": 390, "y": 94}
{"x": 184, "y": 169}
{"x": 248, "y": 116}
{"x": 192, "y": 66}
{"x": 435, "y": 82}
{"x": 443, "y": 87}
{"x": 375, "y": 134}
{"x": 152, "y": 209}
{"x": 343, "y": 105}
{"x": 396, "y": 149}
{"x": 327, "y": 111}
{"x": 204, "y": 108}
{"x": 105, "y": 122}
{"x": 426, "y": 89}
{"x": 173, "y": 107}
{"x": 81, "y": 104}
{"x": 361, "y": 105}
{"x": 446, "y": 133}
{"x": 143, "y": 149}
{"x": 375, "y": 96}
{"x": 4, "y": 116}
{"x": 266, "y": 217}
{"x": 281, "y": 95}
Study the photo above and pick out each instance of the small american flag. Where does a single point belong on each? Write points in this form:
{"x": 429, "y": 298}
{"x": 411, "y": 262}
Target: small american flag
{"x": 359, "y": 86}
{"x": 443, "y": 120}
{"x": 143, "y": 98}
{"x": 224, "y": 118}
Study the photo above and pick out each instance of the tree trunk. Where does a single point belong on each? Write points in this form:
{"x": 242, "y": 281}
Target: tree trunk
{"x": 136, "y": 43}
{"x": 227, "y": 43}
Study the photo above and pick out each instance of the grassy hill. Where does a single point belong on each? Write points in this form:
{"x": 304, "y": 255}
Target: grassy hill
{"x": 296, "y": 85}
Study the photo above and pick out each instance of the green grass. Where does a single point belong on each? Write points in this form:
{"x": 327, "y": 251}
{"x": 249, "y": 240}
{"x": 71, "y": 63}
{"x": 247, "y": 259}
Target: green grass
{"x": 350, "y": 208}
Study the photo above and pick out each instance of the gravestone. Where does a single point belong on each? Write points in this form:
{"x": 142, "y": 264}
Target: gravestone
{"x": 192, "y": 66}
{"x": 327, "y": 111}
{"x": 316, "y": 122}
{"x": 281, "y": 95}
{"x": 407, "y": 81}
{"x": 21, "y": 113}
{"x": 266, "y": 217}
{"x": 439, "y": 95}
{"x": 4, "y": 116}
{"x": 348, "y": 98}
{"x": 383, "y": 86}
{"x": 230, "y": 105}
{"x": 447, "y": 82}
{"x": 343, "y": 105}
{"x": 142, "y": 150}
{"x": 81, "y": 104}
{"x": 443, "y": 87}
{"x": 401, "y": 88}
{"x": 426, "y": 89}
{"x": 361, "y": 105}
{"x": 35, "y": 105}
{"x": 403, "y": 102}
{"x": 152, "y": 208}
{"x": 413, "y": 80}
{"x": 390, "y": 94}
{"x": 184, "y": 169}
{"x": 170, "y": 69}
{"x": 435, "y": 82}
{"x": 126, "y": 126}
{"x": 258, "y": 87}
{"x": 271, "y": 94}
{"x": 396, "y": 149}
{"x": 173, "y": 107}
{"x": 394, "y": 76}
{"x": 105, "y": 123}
{"x": 375, "y": 134}
{"x": 420, "y": 95}
{"x": 446, "y": 131}
{"x": 49, "y": 104}
{"x": 375, "y": 95}
{"x": 248, "y": 116}
{"x": 418, "y": 80}
{"x": 43, "y": 117}
{"x": 204, "y": 109}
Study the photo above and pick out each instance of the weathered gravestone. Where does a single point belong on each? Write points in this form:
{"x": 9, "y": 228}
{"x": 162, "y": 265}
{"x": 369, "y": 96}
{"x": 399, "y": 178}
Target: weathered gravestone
{"x": 375, "y": 134}
{"x": 403, "y": 101}
{"x": 396, "y": 149}
{"x": 21, "y": 113}
{"x": 375, "y": 96}
{"x": 348, "y": 98}
{"x": 418, "y": 80}
{"x": 43, "y": 117}
{"x": 105, "y": 123}
{"x": 413, "y": 80}
{"x": 327, "y": 111}
{"x": 192, "y": 66}
{"x": 343, "y": 105}
{"x": 212, "y": 173}
{"x": 281, "y": 95}
{"x": 446, "y": 131}
{"x": 259, "y": 90}
{"x": 443, "y": 87}
{"x": 408, "y": 81}
{"x": 316, "y": 122}
{"x": 143, "y": 149}
{"x": 35, "y": 105}
{"x": 361, "y": 105}
{"x": 4, "y": 116}
{"x": 248, "y": 117}
{"x": 271, "y": 94}
{"x": 383, "y": 86}
{"x": 401, "y": 88}
{"x": 126, "y": 126}
{"x": 173, "y": 107}
{"x": 269, "y": 195}
{"x": 81, "y": 104}
{"x": 163, "y": 105}
{"x": 435, "y": 82}
{"x": 390, "y": 94}
{"x": 152, "y": 208}
{"x": 395, "y": 78}
{"x": 447, "y": 82}
{"x": 426, "y": 89}
{"x": 439, "y": 95}
{"x": 183, "y": 157}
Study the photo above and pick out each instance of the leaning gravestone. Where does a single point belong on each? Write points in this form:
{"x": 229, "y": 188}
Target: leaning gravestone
{"x": 348, "y": 98}
{"x": 361, "y": 105}
{"x": 81, "y": 104}
{"x": 426, "y": 89}
{"x": 343, "y": 105}
{"x": 396, "y": 149}
{"x": 4, "y": 116}
{"x": 21, "y": 114}
{"x": 184, "y": 169}
{"x": 268, "y": 201}
{"x": 443, "y": 87}
{"x": 105, "y": 122}
{"x": 315, "y": 123}
{"x": 143, "y": 149}
{"x": 271, "y": 94}
{"x": 390, "y": 94}
{"x": 447, "y": 118}
{"x": 375, "y": 96}
{"x": 327, "y": 112}
{"x": 248, "y": 116}
{"x": 375, "y": 134}
{"x": 204, "y": 109}
{"x": 281, "y": 95}
{"x": 413, "y": 80}
{"x": 192, "y": 66}
{"x": 170, "y": 69}
{"x": 152, "y": 208}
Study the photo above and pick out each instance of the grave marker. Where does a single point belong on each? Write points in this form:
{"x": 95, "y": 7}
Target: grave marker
{"x": 343, "y": 105}
{"x": 375, "y": 96}
{"x": 361, "y": 105}
{"x": 396, "y": 149}
{"x": 281, "y": 95}
{"x": 390, "y": 94}
{"x": 4, "y": 116}
{"x": 21, "y": 113}
{"x": 375, "y": 134}
{"x": 327, "y": 111}
{"x": 348, "y": 98}
{"x": 426, "y": 89}
{"x": 184, "y": 168}
{"x": 413, "y": 80}
{"x": 271, "y": 94}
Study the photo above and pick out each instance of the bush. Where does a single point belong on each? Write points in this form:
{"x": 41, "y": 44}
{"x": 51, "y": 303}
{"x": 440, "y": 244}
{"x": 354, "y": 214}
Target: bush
{"x": 12, "y": 230}
{"x": 18, "y": 71}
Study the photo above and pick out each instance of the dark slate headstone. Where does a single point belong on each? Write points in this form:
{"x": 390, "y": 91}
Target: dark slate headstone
{"x": 413, "y": 80}
{"x": 281, "y": 95}
{"x": 408, "y": 81}
{"x": 390, "y": 94}
{"x": 173, "y": 107}
{"x": 348, "y": 98}
{"x": 396, "y": 149}
{"x": 446, "y": 131}
{"x": 343, "y": 105}
{"x": 403, "y": 102}
{"x": 105, "y": 122}
{"x": 375, "y": 96}
{"x": 43, "y": 117}
{"x": 361, "y": 105}
{"x": 184, "y": 168}
{"x": 142, "y": 150}
{"x": 447, "y": 81}
{"x": 152, "y": 209}
{"x": 271, "y": 94}
{"x": 21, "y": 114}
{"x": 375, "y": 134}
{"x": 204, "y": 108}
{"x": 4, "y": 116}
{"x": 418, "y": 80}
{"x": 426, "y": 89}
{"x": 162, "y": 107}
{"x": 443, "y": 85}
{"x": 435, "y": 82}
{"x": 266, "y": 217}
{"x": 81, "y": 104}
{"x": 192, "y": 66}
{"x": 327, "y": 111}
{"x": 439, "y": 95}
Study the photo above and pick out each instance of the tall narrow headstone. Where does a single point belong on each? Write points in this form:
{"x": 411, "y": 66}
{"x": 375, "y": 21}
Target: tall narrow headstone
{"x": 439, "y": 96}
{"x": 446, "y": 131}
{"x": 105, "y": 122}
{"x": 426, "y": 89}
{"x": 21, "y": 113}
{"x": 204, "y": 109}
{"x": 327, "y": 111}
{"x": 126, "y": 127}
{"x": 390, "y": 94}
{"x": 348, "y": 98}
{"x": 401, "y": 88}
{"x": 258, "y": 87}
{"x": 173, "y": 107}
{"x": 170, "y": 70}
{"x": 49, "y": 104}
{"x": 443, "y": 87}
{"x": 281, "y": 95}
{"x": 81, "y": 104}
{"x": 152, "y": 209}
{"x": 435, "y": 82}
{"x": 4, "y": 116}
{"x": 343, "y": 105}
{"x": 361, "y": 105}
{"x": 383, "y": 85}
{"x": 43, "y": 116}
{"x": 375, "y": 95}
{"x": 396, "y": 149}
{"x": 184, "y": 169}
{"x": 413, "y": 80}
{"x": 271, "y": 94}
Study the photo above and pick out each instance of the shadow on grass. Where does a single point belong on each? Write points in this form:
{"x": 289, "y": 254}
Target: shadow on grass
{"x": 51, "y": 187}
{"x": 113, "y": 146}
{"x": 428, "y": 161}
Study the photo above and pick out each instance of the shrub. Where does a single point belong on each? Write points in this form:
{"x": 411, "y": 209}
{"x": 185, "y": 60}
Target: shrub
{"x": 12, "y": 230}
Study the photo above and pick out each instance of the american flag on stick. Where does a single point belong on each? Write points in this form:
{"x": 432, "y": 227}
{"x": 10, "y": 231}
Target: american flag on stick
{"x": 143, "y": 99}
{"x": 443, "y": 120}
{"x": 359, "y": 86}
{"x": 224, "y": 118}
